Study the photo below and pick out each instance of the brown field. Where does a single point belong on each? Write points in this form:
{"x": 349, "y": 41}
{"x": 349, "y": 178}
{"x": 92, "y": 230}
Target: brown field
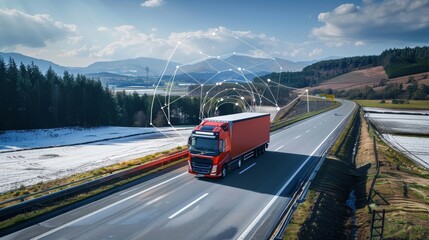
{"x": 368, "y": 77}
{"x": 355, "y": 79}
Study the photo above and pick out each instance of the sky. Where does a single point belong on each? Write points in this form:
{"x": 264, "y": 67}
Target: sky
{"x": 80, "y": 32}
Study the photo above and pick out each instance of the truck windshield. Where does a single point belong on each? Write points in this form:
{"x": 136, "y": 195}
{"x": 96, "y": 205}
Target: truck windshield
{"x": 204, "y": 144}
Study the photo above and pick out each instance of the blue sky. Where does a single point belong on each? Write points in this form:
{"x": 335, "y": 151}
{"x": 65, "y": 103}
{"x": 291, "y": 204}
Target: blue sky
{"x": 80, "y": 32}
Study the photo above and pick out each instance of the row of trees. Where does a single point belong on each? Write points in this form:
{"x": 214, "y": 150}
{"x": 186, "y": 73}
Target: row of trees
{"x": 30, "y": 99}
{"x": 413, "y": 91}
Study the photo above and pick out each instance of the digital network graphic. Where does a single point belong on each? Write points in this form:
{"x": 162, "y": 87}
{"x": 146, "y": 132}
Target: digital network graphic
{"x": 228, "y": 83}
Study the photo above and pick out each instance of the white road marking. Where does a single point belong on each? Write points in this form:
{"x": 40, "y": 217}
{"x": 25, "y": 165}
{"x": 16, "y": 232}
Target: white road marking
{"x": 106, "y": 207}
{"x": 279, "y": 148}
{"x": 307, "y": 131}
{"x": 265, "y": 209}
{"x": 242, "y": 171}
{"x": 298, "y": 136}
{"x": 155, "y": 200}
{"x": 188, "y": 206}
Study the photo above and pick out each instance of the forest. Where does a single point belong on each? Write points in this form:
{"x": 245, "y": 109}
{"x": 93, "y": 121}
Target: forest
{"x": 30, "y": 99}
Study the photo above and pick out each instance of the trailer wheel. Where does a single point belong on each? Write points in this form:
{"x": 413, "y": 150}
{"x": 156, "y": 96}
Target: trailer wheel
{"x": 224, "y": 171}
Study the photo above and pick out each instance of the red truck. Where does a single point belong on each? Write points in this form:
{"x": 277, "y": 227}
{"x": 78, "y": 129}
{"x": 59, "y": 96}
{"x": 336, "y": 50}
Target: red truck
{"x": 222, "y": 143}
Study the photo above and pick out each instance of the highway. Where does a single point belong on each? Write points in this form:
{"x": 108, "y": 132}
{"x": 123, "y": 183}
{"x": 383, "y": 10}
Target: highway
{"x": 177, "y": 205}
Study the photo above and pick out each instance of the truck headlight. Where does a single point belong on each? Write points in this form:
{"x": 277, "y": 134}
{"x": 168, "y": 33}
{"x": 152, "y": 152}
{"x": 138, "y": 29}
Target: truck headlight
{"x": 214, "y": 168}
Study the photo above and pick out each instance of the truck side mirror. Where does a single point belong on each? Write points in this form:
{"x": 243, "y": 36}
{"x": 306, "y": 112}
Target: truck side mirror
{"x": 189, "y": 141}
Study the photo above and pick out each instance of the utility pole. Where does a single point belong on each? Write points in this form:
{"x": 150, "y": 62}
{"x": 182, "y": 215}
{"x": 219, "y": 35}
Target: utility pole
{"x": 147, "y": 73}
{"x": 308, "y": 106}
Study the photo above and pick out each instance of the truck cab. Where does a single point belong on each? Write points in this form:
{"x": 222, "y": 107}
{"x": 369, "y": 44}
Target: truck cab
{"x": 209, "y": 148}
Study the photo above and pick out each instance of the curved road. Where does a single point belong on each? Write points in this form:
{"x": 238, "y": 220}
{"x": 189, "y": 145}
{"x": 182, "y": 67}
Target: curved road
{"x": 177, "y": 205}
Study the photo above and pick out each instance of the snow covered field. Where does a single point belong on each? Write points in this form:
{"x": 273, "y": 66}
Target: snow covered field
{"x": 397, "y": 111}
{"x": 29, "y": 157}
{"x": 400, "y": 123}
{"x": 404, "y": 122}
{"x": 417, "y": 148}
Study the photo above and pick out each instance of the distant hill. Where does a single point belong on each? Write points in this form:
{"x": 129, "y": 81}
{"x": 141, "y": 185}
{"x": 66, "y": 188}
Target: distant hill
{"x": 26, "y": 60}
{"x": 130, "y": 67}
{"x": 249, "y": 64}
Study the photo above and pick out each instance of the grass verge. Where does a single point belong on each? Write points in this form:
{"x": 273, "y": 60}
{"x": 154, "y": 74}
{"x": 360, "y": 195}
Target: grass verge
{"x": 283, "y": 123}
{"x": 325, "y": 215}
{"x": 413, "y": 104}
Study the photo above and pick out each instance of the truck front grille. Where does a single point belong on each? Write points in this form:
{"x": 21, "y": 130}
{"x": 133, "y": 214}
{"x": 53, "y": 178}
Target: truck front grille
{"x": 201, "y": 165}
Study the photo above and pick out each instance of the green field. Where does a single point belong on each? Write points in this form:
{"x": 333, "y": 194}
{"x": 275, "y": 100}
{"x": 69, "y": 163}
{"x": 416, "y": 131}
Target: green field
{"x": 413, "y": 104}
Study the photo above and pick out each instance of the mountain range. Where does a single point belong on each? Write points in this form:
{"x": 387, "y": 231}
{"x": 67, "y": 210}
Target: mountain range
{"x": 137, "y": 67}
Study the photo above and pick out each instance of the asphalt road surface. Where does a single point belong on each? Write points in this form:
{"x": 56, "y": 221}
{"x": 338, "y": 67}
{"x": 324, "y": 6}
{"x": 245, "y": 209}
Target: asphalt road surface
{"x": 177, "y": 205}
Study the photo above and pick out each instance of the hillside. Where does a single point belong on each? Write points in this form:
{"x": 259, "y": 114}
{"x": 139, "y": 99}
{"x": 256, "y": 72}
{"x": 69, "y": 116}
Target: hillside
{"x": 396, "y": 63}
{"x": 356, "y": 79}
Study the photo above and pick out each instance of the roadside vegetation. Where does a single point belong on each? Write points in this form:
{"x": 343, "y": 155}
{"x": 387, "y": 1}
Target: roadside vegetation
{"x": 401, "y": 188}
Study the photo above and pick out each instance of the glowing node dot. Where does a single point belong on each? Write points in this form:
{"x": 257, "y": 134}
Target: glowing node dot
{"x": 179, "y": 42}
{"x": 218, "y": 57}
{"x": 233, "y": 53}
{"x": 177, "y": 67}
{"x": 233, "y": 89}
{"x": 216, "y": 108}
{"x": 239, "y": 68}
{"x": 214, "y": 34}
{"x": 278, "y": 108}
{"x": 236, "y": 104}
{"x": 242, "y": 98}
{"x": 202, "y": 84}
{"x": 268, "y": 80}
{"x": 151, "y": 124}
{"x": 169, "y": 123}
{"x": 254, "y": 100}
{"x": 230, "y": 69}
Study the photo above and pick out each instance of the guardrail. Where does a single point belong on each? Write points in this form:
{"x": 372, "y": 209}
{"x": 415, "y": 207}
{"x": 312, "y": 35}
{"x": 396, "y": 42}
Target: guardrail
{"x": 301, "y": 194}
{"x": 36, "y": 203}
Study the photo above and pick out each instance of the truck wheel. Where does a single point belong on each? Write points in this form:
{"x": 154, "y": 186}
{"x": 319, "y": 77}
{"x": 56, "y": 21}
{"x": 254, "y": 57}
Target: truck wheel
{"x": 239, "y": 163}
{"x": 224, "y": 171}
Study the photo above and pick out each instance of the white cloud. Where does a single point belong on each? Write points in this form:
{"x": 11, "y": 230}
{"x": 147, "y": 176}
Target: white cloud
{"x": 152, "y": 3}
{"x": 359, "y": 43}
{"x": 398, "y": 20}
{"x": 102, "y": 29}
{"x": 315, "y": 52}
{"x": 74, "y": 40}
{"x": 19, "y": 28}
